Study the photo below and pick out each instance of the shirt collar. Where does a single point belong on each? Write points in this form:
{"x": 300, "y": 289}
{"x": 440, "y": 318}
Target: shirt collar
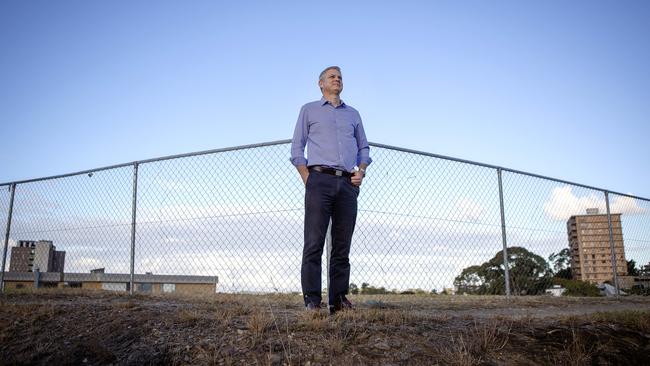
{"x": 324, "y": 101}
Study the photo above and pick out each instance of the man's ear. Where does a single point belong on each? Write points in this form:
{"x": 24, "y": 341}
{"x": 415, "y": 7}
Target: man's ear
{"x": 320, "y": 83}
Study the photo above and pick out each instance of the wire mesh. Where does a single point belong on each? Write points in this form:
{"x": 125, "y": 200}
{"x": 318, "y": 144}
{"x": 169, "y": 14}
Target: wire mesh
{"x": 543, "y": 218}
{"x": 5, "y": 197}
{"x": 237, "y": 215}
{"x": 87, "y": 216}
{"x": 425, "y": 224}
{"x": 633, "y": 266}
{"x": 421, "y": 221}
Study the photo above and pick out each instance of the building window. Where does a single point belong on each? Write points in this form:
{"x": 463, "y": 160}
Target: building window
{"x": 169, "y": 287}
{"x": 20, "y": 285}
{"x": 144, "y": 287}
{"x": 113, "y": 286}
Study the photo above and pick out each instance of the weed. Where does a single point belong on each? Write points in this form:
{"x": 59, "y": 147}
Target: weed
{"x": 490, "y": 336}
{"x": 459, "y": 352}
{"x": 258, "y": 323}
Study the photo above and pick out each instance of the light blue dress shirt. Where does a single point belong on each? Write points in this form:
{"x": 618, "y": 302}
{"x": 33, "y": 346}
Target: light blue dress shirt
{"x": 334, "y": 137}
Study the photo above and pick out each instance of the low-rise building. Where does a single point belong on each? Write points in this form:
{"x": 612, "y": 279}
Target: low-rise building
{"x": 147, "y": 283}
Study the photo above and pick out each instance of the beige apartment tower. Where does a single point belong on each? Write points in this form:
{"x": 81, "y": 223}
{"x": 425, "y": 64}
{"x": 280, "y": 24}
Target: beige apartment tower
{"x": 591, "y": 254}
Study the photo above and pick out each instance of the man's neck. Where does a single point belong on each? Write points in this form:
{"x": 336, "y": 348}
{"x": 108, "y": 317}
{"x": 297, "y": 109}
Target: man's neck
{"x": 334, "y": 99}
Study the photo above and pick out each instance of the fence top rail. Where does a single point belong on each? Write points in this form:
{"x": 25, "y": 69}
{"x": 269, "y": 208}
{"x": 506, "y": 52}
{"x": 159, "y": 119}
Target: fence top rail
{"x": 169, "y": 157}
{"x": 389, "y": 147}
{"x": 286, "y": 141}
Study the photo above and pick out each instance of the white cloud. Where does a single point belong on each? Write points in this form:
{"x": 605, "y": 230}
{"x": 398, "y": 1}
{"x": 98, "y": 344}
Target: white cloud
{"x": 173, "y": 240}
{"x": 628, "y": 205}
{"x": 87, "y": 262}
{"x": 563, "y": 203}
{"x": 469, "y": 210}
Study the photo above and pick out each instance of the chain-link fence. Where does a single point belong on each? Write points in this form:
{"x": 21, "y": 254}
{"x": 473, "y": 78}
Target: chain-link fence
{"x": 234, "y": 217}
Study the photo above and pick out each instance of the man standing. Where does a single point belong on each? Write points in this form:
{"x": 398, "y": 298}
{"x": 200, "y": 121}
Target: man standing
{"x": 336, "y": 145}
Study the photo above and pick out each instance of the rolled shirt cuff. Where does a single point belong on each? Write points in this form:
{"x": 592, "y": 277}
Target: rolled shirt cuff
{"x": 298, "y": 161}
{"x": 366, "y": 161}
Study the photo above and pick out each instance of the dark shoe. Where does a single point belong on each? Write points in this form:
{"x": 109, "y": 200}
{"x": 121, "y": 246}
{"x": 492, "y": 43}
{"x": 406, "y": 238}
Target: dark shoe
{"x": 343, "y": 304}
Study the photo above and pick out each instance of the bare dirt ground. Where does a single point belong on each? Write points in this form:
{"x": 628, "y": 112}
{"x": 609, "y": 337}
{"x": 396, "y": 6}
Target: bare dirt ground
{"x": 56, "y": 327}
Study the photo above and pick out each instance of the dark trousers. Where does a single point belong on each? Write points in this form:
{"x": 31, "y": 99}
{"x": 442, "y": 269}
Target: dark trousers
{"x": 328, "y": 197}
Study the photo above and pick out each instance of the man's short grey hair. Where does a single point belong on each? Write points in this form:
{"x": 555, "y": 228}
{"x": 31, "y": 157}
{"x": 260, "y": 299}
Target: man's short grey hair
{"x": 322, "y": 74}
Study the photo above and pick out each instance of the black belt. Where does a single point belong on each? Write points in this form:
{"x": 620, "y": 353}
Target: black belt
{"x": 331, "y": 171}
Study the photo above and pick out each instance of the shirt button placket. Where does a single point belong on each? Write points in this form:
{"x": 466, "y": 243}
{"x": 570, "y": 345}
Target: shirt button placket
{"x": 338, "y": 135}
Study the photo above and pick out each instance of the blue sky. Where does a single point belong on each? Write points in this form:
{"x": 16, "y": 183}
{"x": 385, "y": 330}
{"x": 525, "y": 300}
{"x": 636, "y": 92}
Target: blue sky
{"x": 554, "y": 88}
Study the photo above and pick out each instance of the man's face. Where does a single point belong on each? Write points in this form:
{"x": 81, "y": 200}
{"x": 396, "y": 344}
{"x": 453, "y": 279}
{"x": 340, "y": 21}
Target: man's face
{"x": 332, "y": 82}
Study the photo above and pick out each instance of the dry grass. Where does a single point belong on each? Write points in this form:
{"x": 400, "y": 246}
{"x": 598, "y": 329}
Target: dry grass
{"x": 573, "y": 348}
{"x": 477, "y": 342}
{"x": 224, "y": 329}
{"x": 189, "y": 317}
{"x": 635, "y": 319}
{"x": 459, "y": 351}
{"x": 259, "y": 322}
{"x": 492, "y": 335}
{"x": 129, "y": 304}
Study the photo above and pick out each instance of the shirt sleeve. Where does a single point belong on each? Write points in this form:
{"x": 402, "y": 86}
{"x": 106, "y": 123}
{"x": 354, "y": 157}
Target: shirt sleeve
{"x": 299, "y": 140}
{"x": 363, "y": 155}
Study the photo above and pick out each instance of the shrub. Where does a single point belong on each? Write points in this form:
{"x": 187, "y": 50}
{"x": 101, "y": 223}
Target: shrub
{"x": 577, "y": 288}
{"x": 639, "y": 290}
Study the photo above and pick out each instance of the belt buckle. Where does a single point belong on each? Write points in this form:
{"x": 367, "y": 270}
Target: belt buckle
{"x": 338, "y": 173}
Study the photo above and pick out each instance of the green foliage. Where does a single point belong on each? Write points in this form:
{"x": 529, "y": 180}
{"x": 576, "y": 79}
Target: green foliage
{"x": 415, "y": 291}
{"x": 372, "y": 290}
{"x": 561, "y": 264}
{"x": 577, "y": 288}
{"x": 530, "y": 274}
{"x": 645, "y": 270}
{"x": 367, "y": 289}
{"x": 639, "y": 290}
{"x": 631, "y": 268}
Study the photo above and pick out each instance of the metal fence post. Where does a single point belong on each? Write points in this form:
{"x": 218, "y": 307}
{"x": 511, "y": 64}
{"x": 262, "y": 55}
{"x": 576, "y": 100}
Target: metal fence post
{"x": 503, "y": 235}
{"x": 133, "y": 213}
{"x": 6, "y": 246}
{"x": 611, "y": 244}
{"x": 37, "y": 277}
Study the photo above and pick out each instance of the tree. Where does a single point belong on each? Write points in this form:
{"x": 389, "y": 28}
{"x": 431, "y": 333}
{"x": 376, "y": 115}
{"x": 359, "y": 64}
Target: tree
{"x": 530, "y": 274}
{"x": 354, "y": 290}
{"x": 631, "y": 268}
{"x": 472, "y": 280}
{"x": 366, "y": 289}
{"x": 645, "y": 270}
{"x": 561, "y": 263}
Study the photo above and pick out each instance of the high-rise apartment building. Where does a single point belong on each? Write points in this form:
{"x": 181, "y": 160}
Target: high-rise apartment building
{"x": 591, "y": 254}
{"x": 29, "y": 255}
